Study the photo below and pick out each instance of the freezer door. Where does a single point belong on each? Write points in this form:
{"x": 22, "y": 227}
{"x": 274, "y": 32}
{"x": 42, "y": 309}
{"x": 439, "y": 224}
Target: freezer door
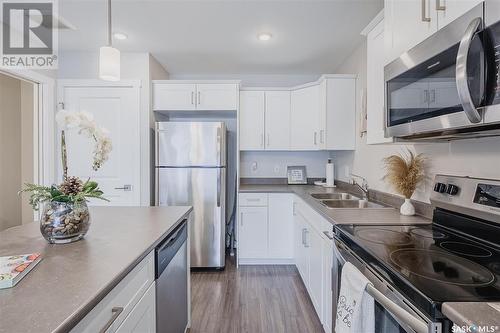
{"x": 190, "y": 144}
{"x": 205, "y": 190}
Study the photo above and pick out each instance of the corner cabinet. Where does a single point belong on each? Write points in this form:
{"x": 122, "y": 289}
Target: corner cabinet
{"x": 178, "y": 95}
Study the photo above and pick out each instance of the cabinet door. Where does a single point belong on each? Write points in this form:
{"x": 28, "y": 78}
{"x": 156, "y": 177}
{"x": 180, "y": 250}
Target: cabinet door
{"x": 327, "y": 284}
{"x": 375, "y": 86}
{"x": 341, "y": 114}
{"x": 216, "y": 97}
{"x": 408, "y": 24}
{"x": 452, "y": 9}
{"x": 301, "y": 253}
{"x": 176, "y": 97}
{"x": 277, "y": 120}
{"x": 280, "y": 226}
{"x": 142, "y": 318}
{"x": 253, "y": 236}
{"x": 314, "y": 243}
{"x": 252, "y": 108}
{"x": 304, "y": 118}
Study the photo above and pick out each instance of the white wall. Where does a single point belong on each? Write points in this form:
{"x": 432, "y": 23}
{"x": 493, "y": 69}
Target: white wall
{"x": 477, "y": 157}
{"x": 134, "y": 66}
{"x": 273, "y": 164}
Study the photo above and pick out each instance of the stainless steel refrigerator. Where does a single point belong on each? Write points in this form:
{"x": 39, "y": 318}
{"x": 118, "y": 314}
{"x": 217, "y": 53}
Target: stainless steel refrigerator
{"x": 190, "y": 170}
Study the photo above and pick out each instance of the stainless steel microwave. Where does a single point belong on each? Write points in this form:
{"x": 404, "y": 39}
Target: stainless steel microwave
{"x": 448, "y": 86}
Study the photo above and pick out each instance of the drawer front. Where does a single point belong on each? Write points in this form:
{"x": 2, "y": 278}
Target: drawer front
{"x": 115, "y": 306}
{"x": 253, "y": 199}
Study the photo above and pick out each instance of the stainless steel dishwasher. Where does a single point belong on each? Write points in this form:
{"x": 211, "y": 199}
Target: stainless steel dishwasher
{"x": 172, "y": 282}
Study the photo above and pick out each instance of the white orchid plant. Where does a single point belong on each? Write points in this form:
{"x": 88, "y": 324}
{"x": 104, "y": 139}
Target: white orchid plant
{"x": 73, "y": 189}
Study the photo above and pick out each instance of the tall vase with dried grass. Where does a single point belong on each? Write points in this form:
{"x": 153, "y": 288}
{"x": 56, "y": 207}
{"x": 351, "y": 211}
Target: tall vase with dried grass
{"x": 404, "y": 172}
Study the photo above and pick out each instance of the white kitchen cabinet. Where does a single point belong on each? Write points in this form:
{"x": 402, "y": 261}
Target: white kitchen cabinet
{"x": 314, "y": 243}
{"x": 253, "y": 234}
{"x": 304, "y": 118}
{"x": 277, "y": 120}
{"x": 217, "y": 96}
{"x": 407, "y": 23}
{"x": 375, "y": 86}
{"x": 142, "y": 318}
{"x": 327, "y": 256}
{"x": 280, "y": 226}
{"x": 449, "y": 10}
{"x": 337, "y": 121}
{"x": 252, "y": 109}
{"x": 301, "y": 253}
{"x": 189, "y": 96}
{"x": 178, "y": 97}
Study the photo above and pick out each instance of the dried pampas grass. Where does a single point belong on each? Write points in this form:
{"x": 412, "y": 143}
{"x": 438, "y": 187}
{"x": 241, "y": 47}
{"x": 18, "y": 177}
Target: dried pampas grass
{"x": 404, "y": 172}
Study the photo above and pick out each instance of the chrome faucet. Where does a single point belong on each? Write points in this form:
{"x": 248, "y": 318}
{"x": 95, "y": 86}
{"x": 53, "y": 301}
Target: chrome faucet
{"x": 363, "y": 187}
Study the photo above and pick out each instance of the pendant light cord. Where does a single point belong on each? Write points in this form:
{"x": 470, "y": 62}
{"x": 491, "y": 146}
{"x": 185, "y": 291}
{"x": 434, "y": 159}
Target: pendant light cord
{"x": 109, "y": 23}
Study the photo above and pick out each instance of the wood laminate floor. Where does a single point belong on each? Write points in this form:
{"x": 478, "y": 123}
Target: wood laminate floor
{"x": 253, "y": 299}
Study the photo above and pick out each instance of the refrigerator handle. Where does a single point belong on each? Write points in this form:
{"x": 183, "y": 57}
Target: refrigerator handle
{"x": 219, "y": 145}
{"x": 218, "y": 186}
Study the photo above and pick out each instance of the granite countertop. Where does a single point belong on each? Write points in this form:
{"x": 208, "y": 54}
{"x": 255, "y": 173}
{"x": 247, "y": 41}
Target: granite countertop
{"x": 339, "y": 216}
{"x": 470, "y": 314}
{"x": 72, "y": 278}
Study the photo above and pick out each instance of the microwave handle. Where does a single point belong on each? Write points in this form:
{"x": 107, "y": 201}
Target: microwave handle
{"x": 461, "y": 71}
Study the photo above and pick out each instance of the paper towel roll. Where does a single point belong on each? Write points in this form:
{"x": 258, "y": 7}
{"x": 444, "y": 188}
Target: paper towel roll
{"x": 330, "y": 172}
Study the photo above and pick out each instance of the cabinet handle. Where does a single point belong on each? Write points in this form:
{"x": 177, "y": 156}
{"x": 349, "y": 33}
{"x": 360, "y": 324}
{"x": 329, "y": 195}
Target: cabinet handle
{"x": 424, "y": 14}
{"x": 116, "y": 312}
{"x": 199, "y": 98}
{"x": 304, "y": 236}
{"x": 241, "y": 218}
{"x": 294, "y": 205}
{"x": 315, "y": 138}
{"x": 306, "y": 243}
{"x": 439, "y": 6}
{"x": 192, "y": 97}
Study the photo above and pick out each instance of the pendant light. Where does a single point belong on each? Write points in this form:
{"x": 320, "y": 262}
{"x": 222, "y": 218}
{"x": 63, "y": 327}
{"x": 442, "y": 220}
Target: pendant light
{"x": 109, "y": 57}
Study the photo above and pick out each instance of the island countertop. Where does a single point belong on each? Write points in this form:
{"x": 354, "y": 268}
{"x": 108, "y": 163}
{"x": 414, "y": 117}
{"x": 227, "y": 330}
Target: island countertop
{"x": 72, "y": 278}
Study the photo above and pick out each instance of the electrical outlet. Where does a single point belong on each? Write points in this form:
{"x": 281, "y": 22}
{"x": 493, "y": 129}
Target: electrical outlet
{"x": 255, "y": 167}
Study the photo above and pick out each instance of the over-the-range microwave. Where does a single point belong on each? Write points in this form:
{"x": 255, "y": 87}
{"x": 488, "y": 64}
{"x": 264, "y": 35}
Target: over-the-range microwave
{"x": 448, "y": 86}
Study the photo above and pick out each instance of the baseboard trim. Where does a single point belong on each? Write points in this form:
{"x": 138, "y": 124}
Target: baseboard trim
{"x": 249, "y": 261}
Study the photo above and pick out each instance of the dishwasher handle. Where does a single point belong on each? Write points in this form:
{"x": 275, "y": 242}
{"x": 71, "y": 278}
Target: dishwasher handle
{"x": 167, "y": 249}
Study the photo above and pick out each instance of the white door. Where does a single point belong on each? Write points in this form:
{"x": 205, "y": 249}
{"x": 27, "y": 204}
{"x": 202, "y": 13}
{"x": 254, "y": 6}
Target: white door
{"x": 304, "y": 118}
{"x": 115, "y": 108}
{"x": 277, "y": 120}
{"x": 253, "y": 233}
{"x": 142, "y": 318}
{"x": 315, "y": 244}
{"x": 408, "y": 24}
{"x": 280, "y": 226}
{"x": 252, "y": 108}
{"x": 176, "y": 97}
{"x": 452, "y": 9}
{"x": 375, "y": 86}
{"x": 217, "y": 96}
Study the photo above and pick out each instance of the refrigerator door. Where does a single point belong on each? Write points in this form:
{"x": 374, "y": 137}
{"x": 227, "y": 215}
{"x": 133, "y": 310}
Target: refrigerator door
{"x": 182, "y": 144}
{"x": 205, "y": 190}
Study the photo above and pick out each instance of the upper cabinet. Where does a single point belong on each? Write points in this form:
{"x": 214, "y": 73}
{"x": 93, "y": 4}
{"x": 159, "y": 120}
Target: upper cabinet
{"x": 375, "y": 86}
{"x": 277, "y": 120}
{"x": 409, "y": 22}
{"x": 180, "y": 96}
{"x": 252, "y": 109}
{"x": 304, "y": 118}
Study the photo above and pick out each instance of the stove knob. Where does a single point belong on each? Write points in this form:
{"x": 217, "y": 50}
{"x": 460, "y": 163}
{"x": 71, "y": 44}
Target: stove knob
{"x": 452, "y": 189}
{"x": 440, "y": 187}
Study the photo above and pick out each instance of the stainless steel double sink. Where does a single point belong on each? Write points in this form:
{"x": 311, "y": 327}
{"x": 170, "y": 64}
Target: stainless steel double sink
{"x": 342, "y": 200}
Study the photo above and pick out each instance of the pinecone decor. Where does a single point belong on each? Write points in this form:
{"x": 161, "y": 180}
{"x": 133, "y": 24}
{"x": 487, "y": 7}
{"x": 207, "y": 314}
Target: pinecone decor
{"x": 71, "y": 186}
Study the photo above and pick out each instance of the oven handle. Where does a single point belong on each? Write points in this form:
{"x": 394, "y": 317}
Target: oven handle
{"x": 417, "y": 324}
{"x": 461, "y": 71}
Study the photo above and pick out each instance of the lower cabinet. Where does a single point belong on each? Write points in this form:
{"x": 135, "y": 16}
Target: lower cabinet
{"x": 142, "y": 318}
{"x": 327, "y": 282}
{"x": 265, "y": 228}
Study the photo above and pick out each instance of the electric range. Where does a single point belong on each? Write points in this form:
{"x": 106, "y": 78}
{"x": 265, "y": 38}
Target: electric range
{"x": 454, "y": 259}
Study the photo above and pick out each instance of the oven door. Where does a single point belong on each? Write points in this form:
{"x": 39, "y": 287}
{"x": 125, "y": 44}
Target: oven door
{"x": 439, "y": 84}
{"x": 392, "y": 311}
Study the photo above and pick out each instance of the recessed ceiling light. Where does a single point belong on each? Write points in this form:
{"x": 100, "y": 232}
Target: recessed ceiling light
{"x": 264, "y": 36}
{"x": 120, "y": 36}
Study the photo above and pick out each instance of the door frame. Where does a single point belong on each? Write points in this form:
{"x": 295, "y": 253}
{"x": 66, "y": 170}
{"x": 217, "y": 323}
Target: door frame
{"x": 90, "y": 83}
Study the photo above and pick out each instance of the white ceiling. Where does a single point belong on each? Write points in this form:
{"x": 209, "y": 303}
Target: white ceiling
{"x": 220, "y": 37}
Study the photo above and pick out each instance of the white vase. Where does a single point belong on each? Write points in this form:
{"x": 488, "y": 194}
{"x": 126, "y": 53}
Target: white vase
{"x": 407, "y": 208}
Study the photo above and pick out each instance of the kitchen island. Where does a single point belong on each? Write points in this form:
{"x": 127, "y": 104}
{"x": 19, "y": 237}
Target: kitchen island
{"x": 73, "y": 278}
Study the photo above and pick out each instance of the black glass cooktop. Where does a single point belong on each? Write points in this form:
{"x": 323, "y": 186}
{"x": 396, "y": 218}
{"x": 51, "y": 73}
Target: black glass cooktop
{"x": 429, "y": 263}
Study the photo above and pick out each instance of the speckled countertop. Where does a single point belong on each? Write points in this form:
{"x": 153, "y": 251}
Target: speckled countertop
{"x": 72, "y": 278}
{"x": 339, "y": 216}
{"x": 474, "y": 314}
